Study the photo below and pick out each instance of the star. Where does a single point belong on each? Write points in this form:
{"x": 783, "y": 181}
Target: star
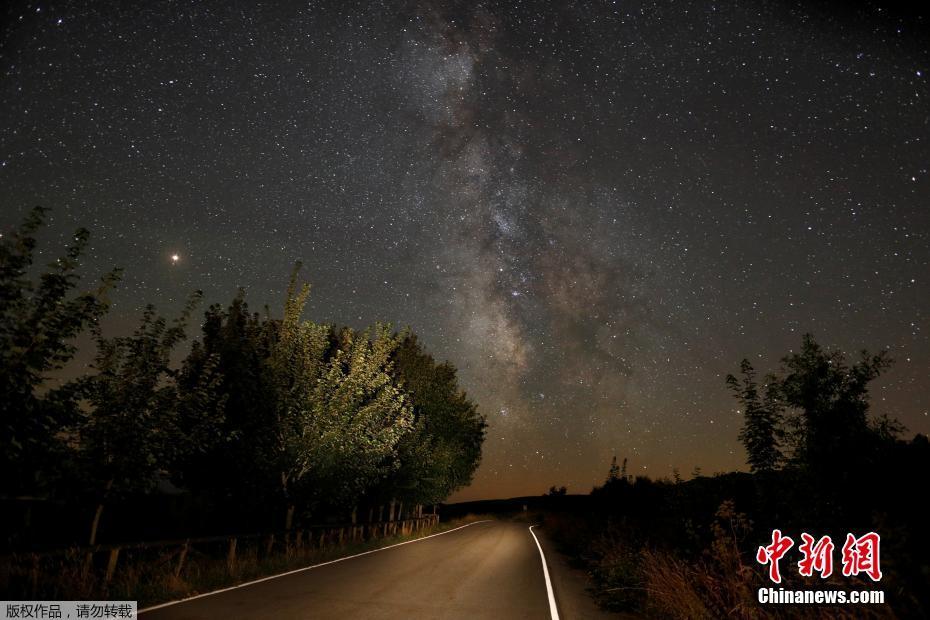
{"x": 551, "y": 217}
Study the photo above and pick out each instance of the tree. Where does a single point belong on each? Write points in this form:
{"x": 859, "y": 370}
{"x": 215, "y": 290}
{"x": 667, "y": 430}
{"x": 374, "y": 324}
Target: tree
{"x": 355, "y": 418}
{"x": 296, "y": 365}
{"x": 761, "y": 418}
{"x": 813, "y": 414}
{"x": 830, "y": 399}
{"x": 39, "y": 318}
{"x": 614, "y": 472}
{"x": 339, "y": 413}
{"x": 128, "y": 435}
{"x": 443, "y": 448}
{"x": 234, "y": 422}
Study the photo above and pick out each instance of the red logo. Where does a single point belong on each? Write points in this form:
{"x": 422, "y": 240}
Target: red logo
{"x": 860, "y": 555}
{"x": 773, "y": 553}
{"x": 817, "y": 556}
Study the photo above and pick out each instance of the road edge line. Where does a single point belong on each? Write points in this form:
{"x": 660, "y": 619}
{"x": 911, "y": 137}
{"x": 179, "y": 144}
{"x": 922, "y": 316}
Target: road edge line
{"x": 553, "y": 610}
{"x": 300, "y": 570}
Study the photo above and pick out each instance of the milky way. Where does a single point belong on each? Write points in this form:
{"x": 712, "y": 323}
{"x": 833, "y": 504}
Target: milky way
{"x": 593, "y": 210}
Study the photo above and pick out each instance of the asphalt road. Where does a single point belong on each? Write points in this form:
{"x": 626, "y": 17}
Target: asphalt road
{"x": 485, "y": 570}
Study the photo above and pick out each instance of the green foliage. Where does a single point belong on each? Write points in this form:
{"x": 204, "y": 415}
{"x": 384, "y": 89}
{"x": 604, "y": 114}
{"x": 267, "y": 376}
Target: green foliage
{"x": 318, "y": 419}
{"x": 262, "y": 411}
{"x": 40, "y": 315}
{"x": 443, "y": 449}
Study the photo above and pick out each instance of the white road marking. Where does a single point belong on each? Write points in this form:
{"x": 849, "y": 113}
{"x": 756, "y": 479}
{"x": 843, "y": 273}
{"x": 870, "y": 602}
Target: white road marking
{"x": 300, "y": 570}
{"x": 553, "y": 610}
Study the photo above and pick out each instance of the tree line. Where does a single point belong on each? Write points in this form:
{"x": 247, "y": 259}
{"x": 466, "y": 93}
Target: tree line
{"x": 263, "y": 414}
{"x": 819, "y": 461}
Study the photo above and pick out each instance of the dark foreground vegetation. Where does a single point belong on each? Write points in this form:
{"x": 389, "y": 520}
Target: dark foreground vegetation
{"x": 819, "y": 464}
{"x": 268, "y": 423}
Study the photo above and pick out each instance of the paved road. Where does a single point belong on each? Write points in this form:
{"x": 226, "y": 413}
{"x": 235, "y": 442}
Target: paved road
{"x": 485, "y": 570}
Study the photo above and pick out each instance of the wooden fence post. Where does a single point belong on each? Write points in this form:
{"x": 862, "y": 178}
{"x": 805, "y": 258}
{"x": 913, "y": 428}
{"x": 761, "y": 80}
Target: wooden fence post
{"x": 34, "y": 575}
{"x": 181, "y": 558}
{"x": 231, "y": 556}
{"x": 111, "y": 564}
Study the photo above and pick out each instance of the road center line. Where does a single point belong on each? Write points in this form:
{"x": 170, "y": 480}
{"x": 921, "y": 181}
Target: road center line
{"x": 300, "y": 570}
{"x": 553, "y": 611}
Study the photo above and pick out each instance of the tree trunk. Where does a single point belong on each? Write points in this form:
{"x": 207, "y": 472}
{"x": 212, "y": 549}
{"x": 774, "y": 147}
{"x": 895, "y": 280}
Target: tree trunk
{"x": 289, "y": 518}
{"x": 354, "y": 515}
{"x": 391, "y": 511}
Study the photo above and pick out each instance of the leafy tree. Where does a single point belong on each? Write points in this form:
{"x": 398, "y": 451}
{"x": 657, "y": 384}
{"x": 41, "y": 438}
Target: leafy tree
{"x": 443, "y": 449}
{"x": 831, "y": 400}
{"x": 296, "y": 362}
{"x": 129, "y": 433}
{"x": 234, "y": 421}
{"x": 339, "y": 413}
{"x": 39, "y": 316}
{"x": 761, "y": 418}
{"x": 813, "y": 416}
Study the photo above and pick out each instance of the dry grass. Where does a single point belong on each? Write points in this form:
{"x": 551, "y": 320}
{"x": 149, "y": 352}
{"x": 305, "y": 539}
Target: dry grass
{"x": 723, "y": 582}
{"x": 720, "y": 585}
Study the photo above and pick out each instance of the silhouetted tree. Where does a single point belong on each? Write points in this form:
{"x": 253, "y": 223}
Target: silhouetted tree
{"x": 129, "y": 433}
{"x": 761, "y": 418}
{"x": 39, "y": 318}
{"x": 831, "y": 400}
{"x": 614, "y": 472}
{"x": 233, "y": 427}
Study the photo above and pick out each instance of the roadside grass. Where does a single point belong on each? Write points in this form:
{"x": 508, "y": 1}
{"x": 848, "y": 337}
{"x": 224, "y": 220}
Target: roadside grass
{"x": 629, "y": 576}
{"x": 150, "y": 576}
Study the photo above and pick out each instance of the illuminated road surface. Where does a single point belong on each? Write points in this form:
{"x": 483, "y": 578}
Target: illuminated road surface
{"x": 486, "y": 570}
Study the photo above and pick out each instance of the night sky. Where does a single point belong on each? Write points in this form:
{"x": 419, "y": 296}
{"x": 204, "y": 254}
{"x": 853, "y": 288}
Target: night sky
{"x": 594, "y": 210}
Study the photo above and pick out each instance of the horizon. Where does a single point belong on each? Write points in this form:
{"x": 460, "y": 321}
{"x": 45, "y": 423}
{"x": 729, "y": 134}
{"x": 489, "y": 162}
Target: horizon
{"x": 593, "y": 228}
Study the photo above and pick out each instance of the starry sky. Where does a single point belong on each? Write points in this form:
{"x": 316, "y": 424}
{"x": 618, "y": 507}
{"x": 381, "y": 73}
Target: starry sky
{"x": 594, "y": 210}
